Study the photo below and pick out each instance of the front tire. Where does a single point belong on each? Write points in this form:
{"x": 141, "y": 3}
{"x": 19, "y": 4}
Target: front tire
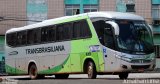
{"x": 91, "y": 70}
{"x": 123, "y": 75}
{"x": 33, "y": 71}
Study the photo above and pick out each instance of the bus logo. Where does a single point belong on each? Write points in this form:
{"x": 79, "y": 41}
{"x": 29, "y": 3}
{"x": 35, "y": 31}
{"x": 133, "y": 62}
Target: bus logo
{"x": 13, "y": 53}
{"x": 94, "y": 48}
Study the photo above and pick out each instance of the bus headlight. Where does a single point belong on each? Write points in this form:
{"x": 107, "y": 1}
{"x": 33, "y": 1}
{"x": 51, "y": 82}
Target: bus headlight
{"x": 124, "y": 58}
{"x": 151, "y": 57}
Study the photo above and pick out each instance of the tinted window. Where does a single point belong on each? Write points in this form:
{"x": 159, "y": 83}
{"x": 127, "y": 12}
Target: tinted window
{"x": 59, "y": 32}
{"x": 81, "y": 29}
{"x": 64, "y": 31}
{"x": 76, "y": 29}
{"x": 48, "y": 33}
{"x": 51, "y": 33}
{"x": 99, "y": 27}
{"x": 11, "y": 39}
{"x": 108, "y": 36}
{"x": 21, "y": 38}
{"x": 33, "y": 36}
{"x": 105, "y": 33}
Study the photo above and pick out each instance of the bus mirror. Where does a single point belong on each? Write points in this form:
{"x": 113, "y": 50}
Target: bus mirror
{"x": 115, "y": 26}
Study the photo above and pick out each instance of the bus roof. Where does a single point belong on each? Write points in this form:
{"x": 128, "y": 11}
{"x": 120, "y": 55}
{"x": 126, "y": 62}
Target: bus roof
{"x": 109, "y": 14}
{"x": 115, "y": 15}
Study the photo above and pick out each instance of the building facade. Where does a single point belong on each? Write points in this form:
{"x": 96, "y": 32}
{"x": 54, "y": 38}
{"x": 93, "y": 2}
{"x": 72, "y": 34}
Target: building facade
{"x": 17, "y": 13}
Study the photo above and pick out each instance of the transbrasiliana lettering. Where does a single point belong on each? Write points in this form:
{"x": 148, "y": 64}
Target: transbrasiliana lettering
{"x": 45, "y": 49}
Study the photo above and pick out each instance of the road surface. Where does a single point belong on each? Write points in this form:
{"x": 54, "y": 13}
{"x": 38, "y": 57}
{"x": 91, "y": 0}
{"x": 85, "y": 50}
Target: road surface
{"x": 135, "y": 78}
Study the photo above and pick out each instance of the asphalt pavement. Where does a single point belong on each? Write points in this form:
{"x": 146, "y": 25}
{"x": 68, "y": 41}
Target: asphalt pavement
{"x": 135, "y": 78}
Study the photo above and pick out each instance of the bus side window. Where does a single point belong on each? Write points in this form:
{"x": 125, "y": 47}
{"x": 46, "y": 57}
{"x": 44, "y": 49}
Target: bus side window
{"x": 51, "y": 33}
{"x": 81, "y": 29}
{"x": 30, "y": 39}
{"x": 85, "y": 30}
{"x": 59, "y": 32}
{"x": 48, "y": 33}
{"x": 67, "y": 31}
{"x": 63, "y": 31}
{"x": 44, "y": 34}
{"x": 109, "y": 36}
{"x": 76, "y": 30}
{"x": 24, "y": 37}
{"x": 37, "y": 35}
{"x": 33, "y": 36}
{"x": 99, "y": 27}
{"x": 21, "y": 38}
{"x": 11, "y": 39}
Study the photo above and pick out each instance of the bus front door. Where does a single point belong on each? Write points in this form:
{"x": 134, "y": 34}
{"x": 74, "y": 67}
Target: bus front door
{"x": 109, "y": 49}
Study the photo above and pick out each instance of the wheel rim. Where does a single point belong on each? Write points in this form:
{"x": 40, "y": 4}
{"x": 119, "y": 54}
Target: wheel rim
{"x": 90, "y": 70}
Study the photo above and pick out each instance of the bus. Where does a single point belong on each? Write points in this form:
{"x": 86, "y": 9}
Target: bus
{"x": 95, "y": 43}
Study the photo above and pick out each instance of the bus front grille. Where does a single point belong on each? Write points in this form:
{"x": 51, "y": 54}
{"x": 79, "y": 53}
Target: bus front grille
{"x": 140, "y": 66}
{"x": 140, "y": 61}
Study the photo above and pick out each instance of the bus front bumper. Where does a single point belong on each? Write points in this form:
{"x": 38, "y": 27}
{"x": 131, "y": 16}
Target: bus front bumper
{"x": 137, "y": 67}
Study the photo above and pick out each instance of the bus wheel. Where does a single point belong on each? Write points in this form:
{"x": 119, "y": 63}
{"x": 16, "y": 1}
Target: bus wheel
{"x": 91, "y": 70}
{"x": 61, "y": 76}
{"x": 33, "y": 71}
{"x": 123, "y": 75}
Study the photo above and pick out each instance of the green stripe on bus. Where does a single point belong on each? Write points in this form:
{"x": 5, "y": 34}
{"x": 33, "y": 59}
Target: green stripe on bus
{"x": 55, "y": 69}
{"x": 12, "y": 70}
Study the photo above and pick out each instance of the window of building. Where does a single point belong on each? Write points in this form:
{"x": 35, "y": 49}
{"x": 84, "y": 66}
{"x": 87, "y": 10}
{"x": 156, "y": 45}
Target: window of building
{"x": 156, "y": 22}
{"x": 130, "y": 7}
{"x": 156, "y": 14}
{"x": 72, "y": 10}
{"x": 157, "y": 51}
{"x": 125, "y": 5}
{"x": 156, "y": 11}
{"x": 90, "y": 8}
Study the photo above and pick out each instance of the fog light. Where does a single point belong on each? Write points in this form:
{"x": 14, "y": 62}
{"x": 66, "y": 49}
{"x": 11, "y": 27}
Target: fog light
{"x": 124, "y": 66}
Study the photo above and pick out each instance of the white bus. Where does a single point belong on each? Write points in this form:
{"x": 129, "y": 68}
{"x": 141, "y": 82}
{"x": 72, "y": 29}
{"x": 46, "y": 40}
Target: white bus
{"x": 91, "y": 43}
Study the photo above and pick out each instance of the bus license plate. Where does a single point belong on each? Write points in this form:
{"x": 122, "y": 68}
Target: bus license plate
{"x": 141, "y": 70}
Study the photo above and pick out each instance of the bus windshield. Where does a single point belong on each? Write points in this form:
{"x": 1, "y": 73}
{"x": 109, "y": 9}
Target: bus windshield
{"x": 134, "y": 37}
